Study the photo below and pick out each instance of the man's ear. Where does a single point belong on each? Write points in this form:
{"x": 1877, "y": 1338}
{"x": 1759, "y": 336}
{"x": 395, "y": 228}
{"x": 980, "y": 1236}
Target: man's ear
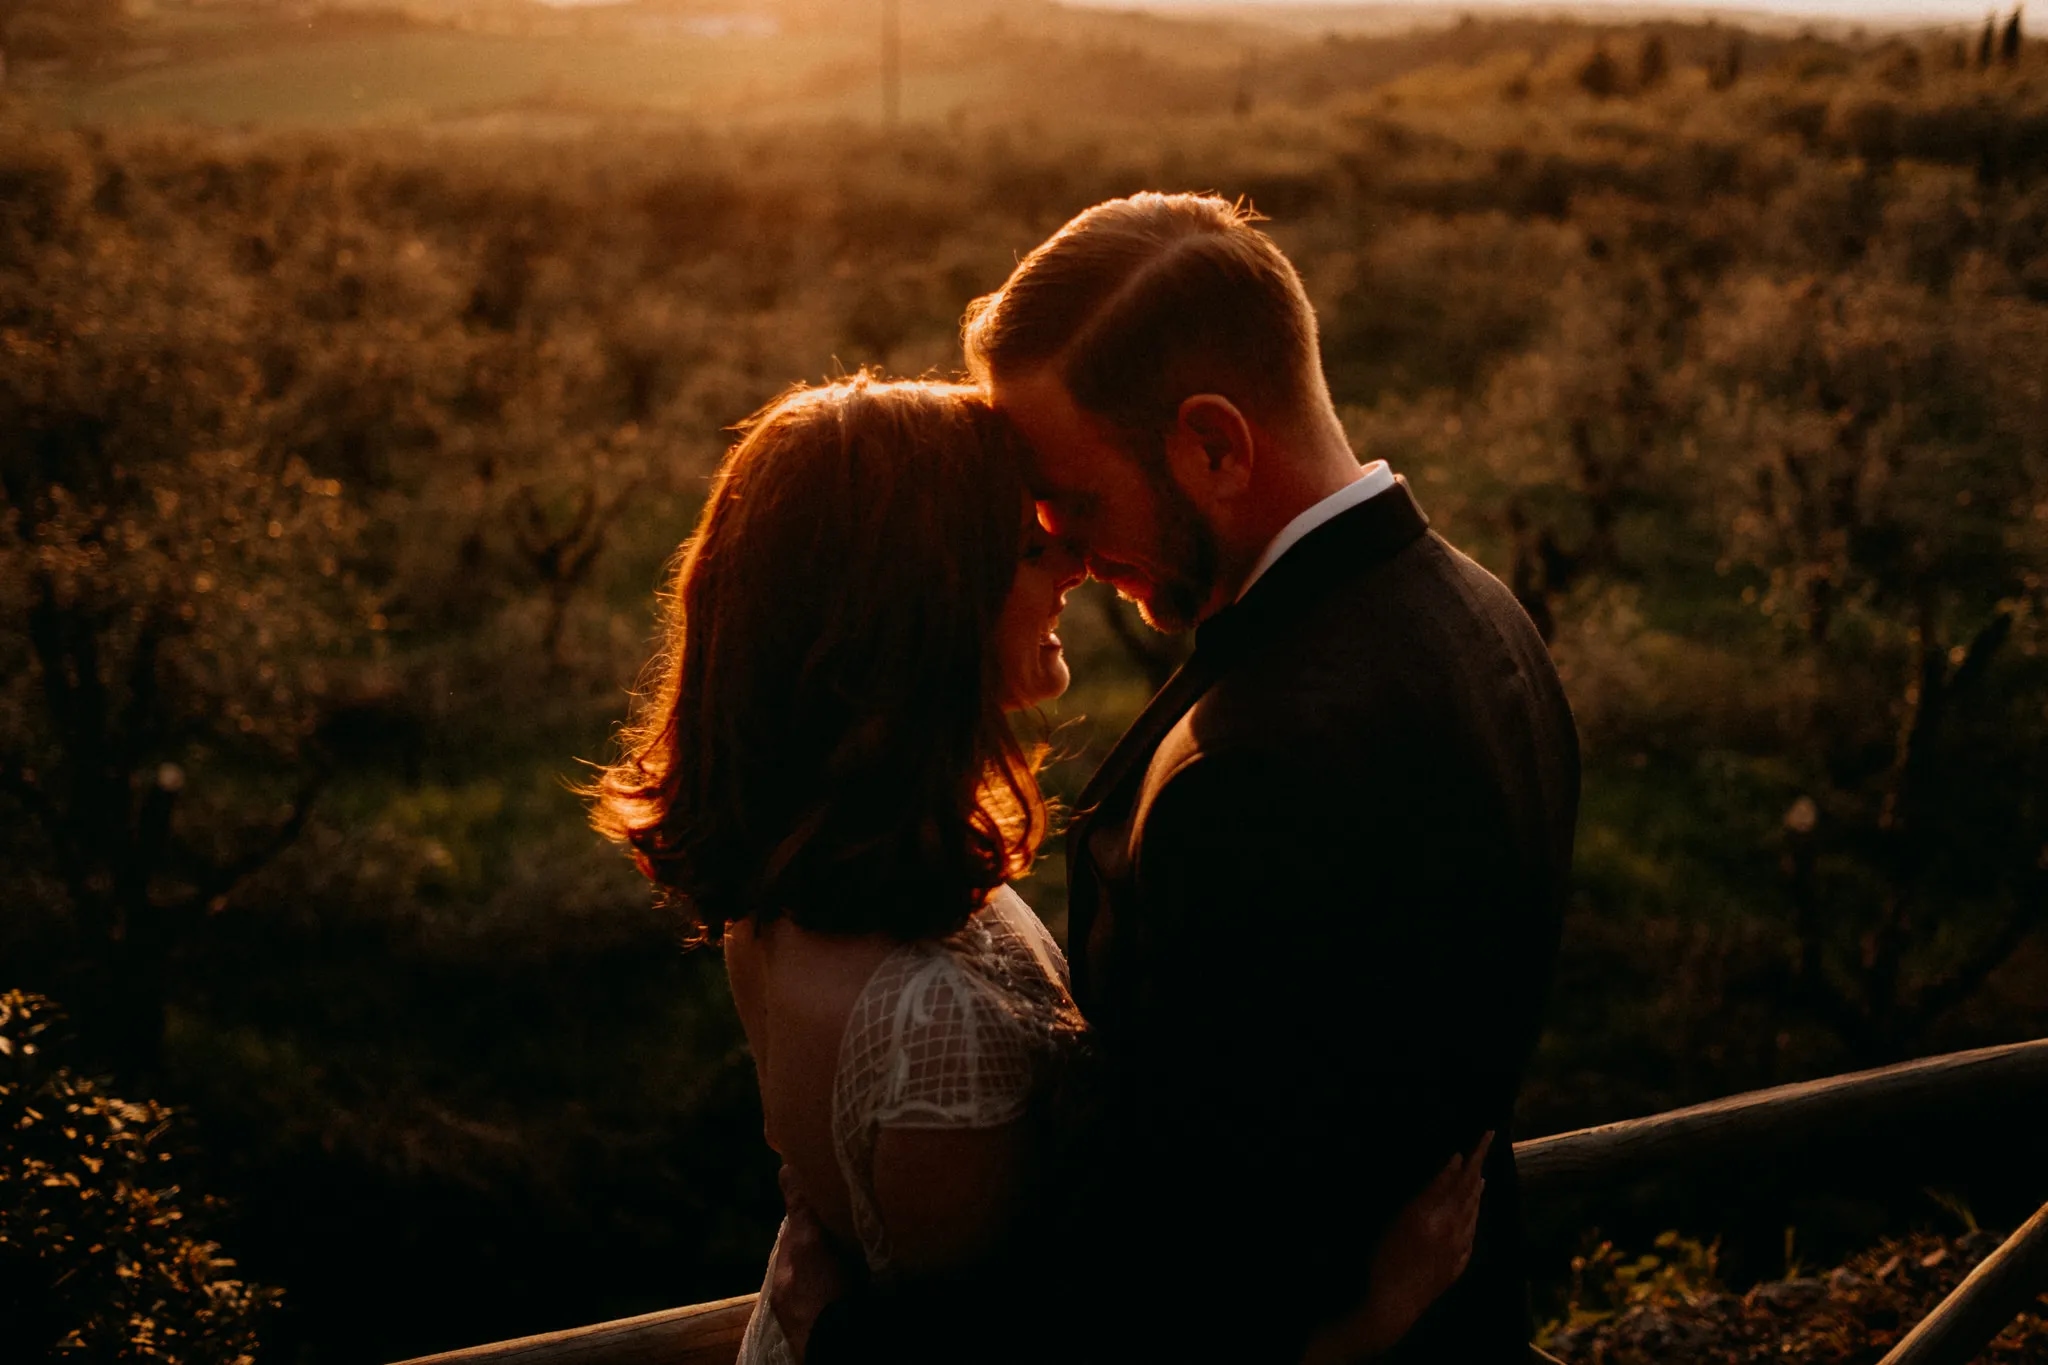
{"x": 1211, "y": 448}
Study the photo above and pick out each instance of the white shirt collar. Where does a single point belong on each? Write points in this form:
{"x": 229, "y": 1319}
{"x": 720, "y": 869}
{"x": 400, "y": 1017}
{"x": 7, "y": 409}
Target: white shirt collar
{"x": 1373, "y": 480}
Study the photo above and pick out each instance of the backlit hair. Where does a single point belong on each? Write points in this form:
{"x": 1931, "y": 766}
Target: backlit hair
{"x": 1140, "y": 302}
{"x": 824, "y": 737}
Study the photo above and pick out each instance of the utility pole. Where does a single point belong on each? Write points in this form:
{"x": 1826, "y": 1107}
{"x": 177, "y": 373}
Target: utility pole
{"x": 892, "y": 62}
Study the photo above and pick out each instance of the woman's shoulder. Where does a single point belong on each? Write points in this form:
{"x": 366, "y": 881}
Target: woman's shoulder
{"x": 808, "y": 976}
{"x": 953, "y": 1030}
{"x": 1002, "y": 945}
{"x": 1009, "y": 945}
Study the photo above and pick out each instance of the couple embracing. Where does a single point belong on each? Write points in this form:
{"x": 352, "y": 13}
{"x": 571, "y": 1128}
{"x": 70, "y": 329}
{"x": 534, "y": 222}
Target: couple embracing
{"x": 1259, "y": 1110}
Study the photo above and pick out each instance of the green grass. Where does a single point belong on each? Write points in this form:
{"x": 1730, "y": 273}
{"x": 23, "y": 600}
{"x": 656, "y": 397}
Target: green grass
{"x": 406, "y": 76}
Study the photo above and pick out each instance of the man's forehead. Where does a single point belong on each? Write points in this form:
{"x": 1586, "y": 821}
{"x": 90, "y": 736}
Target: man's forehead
{"x": 1060, "y": 441}
{"x": 1044, "y": 459}
{"x": 1055, "y": 471}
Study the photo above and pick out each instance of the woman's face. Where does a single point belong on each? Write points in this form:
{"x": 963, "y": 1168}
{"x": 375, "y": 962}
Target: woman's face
{"x": 1034, "y": 670}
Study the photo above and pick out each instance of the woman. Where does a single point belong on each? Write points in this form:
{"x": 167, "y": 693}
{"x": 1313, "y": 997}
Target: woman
{"x": 826, "y": 782}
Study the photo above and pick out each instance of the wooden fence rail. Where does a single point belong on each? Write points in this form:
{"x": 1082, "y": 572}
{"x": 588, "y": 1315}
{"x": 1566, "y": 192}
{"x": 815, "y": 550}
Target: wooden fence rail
{"x": 1862, "y": 1106}
{"x": 1997, "y": 1291}
{"x": 701, "y": 1334}
{"x": 1859, "y": 1106}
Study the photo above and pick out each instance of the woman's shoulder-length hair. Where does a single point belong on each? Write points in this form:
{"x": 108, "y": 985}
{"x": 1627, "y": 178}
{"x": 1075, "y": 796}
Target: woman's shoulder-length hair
{"x": 822, "y": 734}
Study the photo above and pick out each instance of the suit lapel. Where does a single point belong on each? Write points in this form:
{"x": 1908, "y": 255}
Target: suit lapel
{"x": 1352, "y": 542}
{"x": 1161, "y": 713}
{"x": 1126, "y": 762}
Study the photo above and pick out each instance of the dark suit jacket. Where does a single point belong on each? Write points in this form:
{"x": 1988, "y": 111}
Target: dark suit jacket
{"x": 1314, "y": 906}
{"x": 1315, "y": 897}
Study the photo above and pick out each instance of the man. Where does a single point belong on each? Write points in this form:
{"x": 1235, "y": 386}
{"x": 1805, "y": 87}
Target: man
{"x": 1315, "y": 892}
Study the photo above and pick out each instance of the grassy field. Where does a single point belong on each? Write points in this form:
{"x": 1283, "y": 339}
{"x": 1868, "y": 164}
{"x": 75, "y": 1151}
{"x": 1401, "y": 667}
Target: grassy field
{"x": 1074, "y": 68}
{"x": 268, "y": 74}
{"x": 246, "y": 68}
{"x": 409, "y": 77}
{"x": 1723, "y": 354}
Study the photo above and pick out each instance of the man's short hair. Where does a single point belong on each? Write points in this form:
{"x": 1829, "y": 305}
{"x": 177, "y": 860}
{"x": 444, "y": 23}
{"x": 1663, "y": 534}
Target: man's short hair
{"x": 1139, "y": 302}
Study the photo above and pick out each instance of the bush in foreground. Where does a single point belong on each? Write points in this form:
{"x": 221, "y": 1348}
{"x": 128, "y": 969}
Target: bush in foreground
{"x": 1668, "y": 1307}
{"x": 102, "y": 1257}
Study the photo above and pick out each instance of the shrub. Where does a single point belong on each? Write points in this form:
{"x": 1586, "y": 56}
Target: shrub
{"x": 102, "y": 1255}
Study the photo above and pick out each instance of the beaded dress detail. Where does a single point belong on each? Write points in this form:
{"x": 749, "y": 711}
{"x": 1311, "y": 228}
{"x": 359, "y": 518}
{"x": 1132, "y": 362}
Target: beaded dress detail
{"x": 962, "y": 1032}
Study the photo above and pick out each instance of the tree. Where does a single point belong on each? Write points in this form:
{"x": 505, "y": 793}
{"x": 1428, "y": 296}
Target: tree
{"x": 1726, "y": 69}
{"x": 77, "y": 31}
{"x": 2009, "y": 45}
{"x": 1855, "y": 463}
{"x": 1899, "y": 543}
{"x": 1653, "y": 64}
{"x": 9, "y": 10}
{"x": 1599, "y": 76}
{"x": 561, "y": 549}
{"x": 174, "y": 600}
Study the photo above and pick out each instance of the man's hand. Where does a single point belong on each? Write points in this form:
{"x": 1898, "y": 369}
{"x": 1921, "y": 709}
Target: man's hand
{"x": 807, "y": 1271}
{"x": 1422, "y": 1255}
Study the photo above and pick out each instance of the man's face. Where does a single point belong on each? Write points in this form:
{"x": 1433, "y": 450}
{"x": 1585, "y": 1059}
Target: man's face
{"x": 1136, "y": 526}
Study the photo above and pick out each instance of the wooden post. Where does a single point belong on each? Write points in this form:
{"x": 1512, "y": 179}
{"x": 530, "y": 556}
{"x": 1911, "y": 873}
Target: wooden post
{"x": 2002, "y": 1287}
{"x": 701, "y": 1334}
{"x": 1864, "y": 1106}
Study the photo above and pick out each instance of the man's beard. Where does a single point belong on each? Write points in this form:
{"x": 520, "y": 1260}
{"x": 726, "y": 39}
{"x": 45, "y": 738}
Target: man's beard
{"x": 1185, "y": 556}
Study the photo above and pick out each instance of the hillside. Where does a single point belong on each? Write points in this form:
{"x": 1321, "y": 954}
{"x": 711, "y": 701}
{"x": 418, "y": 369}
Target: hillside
{"x": 342, "y": 451}
{"x": 466, "y": 64}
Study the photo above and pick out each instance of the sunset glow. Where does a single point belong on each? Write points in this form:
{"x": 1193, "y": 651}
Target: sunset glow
{"x": 1116, "y": 658}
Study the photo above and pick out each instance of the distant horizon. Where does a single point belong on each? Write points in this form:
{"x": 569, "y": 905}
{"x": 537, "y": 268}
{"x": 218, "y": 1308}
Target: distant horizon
{"x": 1886, "y": 13}
{"x": 1883, "y": 13}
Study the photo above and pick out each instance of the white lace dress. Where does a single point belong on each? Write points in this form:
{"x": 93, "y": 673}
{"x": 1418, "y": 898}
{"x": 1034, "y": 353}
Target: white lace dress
{"x": 960, "y": 1032}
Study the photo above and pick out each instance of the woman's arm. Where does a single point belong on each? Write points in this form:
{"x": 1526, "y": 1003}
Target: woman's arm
{"x": 949, "y": 1197}
{"x": 1421, "y": 1256}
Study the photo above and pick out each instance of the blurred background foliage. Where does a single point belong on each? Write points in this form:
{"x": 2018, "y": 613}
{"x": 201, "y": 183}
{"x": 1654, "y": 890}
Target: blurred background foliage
{"x": 345, "y": 445}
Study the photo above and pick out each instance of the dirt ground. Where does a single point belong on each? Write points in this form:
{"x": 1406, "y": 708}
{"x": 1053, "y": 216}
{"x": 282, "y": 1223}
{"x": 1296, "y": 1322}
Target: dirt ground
{"x": 1852, "y": 1315}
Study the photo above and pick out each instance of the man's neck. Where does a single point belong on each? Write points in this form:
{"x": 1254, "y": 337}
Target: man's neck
{"x": 1305, "y": 479}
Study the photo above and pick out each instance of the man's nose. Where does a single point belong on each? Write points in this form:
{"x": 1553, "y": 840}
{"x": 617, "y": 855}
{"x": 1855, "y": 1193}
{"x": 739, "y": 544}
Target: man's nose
{"x": 1070, "y": 563}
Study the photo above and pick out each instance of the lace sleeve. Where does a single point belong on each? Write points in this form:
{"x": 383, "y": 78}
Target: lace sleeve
{"x": 937, "y": 1048}
{"x": 950, "y": 1034}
